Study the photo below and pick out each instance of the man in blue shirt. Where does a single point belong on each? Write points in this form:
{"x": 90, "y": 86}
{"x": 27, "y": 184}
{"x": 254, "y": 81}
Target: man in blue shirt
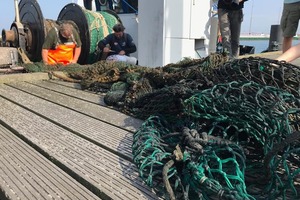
{"x": 118, "y": 45}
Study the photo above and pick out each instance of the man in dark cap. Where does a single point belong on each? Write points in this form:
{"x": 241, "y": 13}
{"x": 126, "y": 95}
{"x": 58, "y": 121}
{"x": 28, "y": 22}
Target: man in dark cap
{"x": 118, "y": 45}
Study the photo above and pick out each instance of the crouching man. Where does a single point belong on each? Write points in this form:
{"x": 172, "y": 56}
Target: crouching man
{"x": 62, "y": 45}
{"x": 118, "y": 46}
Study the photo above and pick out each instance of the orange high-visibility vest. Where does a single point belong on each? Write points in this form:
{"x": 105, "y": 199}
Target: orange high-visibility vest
{"x": 63, "y": 53}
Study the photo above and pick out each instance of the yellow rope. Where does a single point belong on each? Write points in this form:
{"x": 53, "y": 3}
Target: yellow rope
{"x": 96, "y": 25}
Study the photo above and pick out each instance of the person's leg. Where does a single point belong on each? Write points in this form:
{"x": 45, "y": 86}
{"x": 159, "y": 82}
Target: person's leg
{"x": 286, "y": 43}
{"x": 87, "y": 4}
{"x": 110, "y": 4}
{"x": 125, "y": 6}
{"x": 134, "y": 6}
{"x": 236, "y": 18}
{"x": 98, "y": 5}
{"x": 131, "y": 60}
{"x": 291, "y": 54}
{"x": 289, "y": 23}
{"x": 117, "y": 58}
{"x": 224, "y": 25}
{"x": 122, "y": 58}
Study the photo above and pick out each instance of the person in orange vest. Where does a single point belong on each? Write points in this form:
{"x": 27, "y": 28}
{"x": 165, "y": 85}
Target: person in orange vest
{"x": 62, "y": 45}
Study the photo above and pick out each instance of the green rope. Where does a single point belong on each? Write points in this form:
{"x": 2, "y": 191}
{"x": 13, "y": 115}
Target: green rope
{"x": 232, "y": 120}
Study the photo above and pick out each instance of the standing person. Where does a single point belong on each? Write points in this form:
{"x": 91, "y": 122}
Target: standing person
{"x": 289, "y": 22}
{"x": 87, "y": 4}
{"x": 62, "y": 45}
{"x": 230, "y": 15}
{"x": 100, "y": 3}
{"x": 118, "y": 45}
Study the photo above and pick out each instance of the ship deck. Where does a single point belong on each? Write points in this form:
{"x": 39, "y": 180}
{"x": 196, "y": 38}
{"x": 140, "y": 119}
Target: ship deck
{"x": 60, "y": 142}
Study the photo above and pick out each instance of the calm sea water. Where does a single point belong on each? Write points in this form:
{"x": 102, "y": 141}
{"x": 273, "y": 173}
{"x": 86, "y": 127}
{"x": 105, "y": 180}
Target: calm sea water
{"x": 260, "y": 45}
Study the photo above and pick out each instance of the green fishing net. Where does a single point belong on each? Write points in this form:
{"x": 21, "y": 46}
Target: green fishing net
{"x": 214, "y": 128}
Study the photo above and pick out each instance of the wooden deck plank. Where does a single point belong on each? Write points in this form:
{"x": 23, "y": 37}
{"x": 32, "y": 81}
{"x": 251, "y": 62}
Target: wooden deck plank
{"x": 105, "y": 173}
{"x": 26, "y": 174}
{"x": 22, "y": 175}
{"x": 44, "y": 171}
{"x": 10, "y": 78}
{"x": 105, "y": 114}
{"x": 71, "y": 90}
{"x": 114, "y": 139}
{"x": 65, "y": 83}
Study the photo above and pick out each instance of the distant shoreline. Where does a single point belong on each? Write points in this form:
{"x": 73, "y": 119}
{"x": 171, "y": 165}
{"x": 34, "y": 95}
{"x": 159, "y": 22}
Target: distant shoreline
{"x": 253, "y": 38}
{"x": 259, "y": 37}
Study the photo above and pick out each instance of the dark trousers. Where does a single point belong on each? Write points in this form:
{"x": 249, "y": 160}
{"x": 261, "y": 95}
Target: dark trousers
{"x": 129, "y": 9}
{"x": 230, "y": 27}
{"x": 87, "y": 4}
{"x": 98, "y": 5}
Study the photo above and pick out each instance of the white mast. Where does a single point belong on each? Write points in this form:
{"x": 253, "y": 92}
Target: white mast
{"x": 250, "y": 26}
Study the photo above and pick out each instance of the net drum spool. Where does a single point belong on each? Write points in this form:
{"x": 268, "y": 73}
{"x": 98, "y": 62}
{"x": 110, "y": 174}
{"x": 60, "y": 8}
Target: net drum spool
{"x": 29, "y": 33}
{"x": 32, "y": 39}
{"x": 93, "y": 26}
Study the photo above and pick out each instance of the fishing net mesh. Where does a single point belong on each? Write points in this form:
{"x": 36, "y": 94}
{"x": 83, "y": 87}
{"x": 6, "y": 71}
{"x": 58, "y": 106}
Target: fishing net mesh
{"x": 214, "y": 128}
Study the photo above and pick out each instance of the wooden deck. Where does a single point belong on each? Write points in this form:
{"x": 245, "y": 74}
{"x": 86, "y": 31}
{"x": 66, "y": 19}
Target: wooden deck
{"x": 58, "y": 142}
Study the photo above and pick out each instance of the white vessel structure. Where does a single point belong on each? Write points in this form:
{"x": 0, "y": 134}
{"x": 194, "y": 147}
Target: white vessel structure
{"x": 166, "y": 31}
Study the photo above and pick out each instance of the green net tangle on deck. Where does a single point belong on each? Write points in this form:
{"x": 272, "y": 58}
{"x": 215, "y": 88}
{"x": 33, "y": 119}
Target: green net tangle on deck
{"x": 241, "y": 142}
{"x": 236, "y": 140}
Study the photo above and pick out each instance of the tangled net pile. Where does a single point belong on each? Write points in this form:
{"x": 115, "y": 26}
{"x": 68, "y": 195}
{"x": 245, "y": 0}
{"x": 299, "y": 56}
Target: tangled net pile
{"x": 214, "y": 129}
{"x": 234, "y": 133}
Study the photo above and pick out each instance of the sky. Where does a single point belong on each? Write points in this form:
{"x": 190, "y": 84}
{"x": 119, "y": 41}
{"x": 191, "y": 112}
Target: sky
{"x": 259, "y": 15}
